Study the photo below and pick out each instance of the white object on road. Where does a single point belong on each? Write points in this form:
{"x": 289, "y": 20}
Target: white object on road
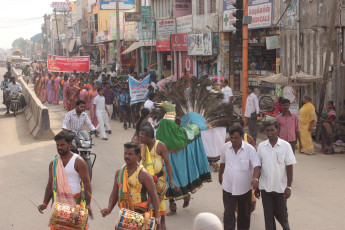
{"x": 207, "y": 221}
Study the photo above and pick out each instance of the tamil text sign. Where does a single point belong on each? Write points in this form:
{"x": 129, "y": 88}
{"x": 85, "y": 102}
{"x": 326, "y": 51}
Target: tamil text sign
{"x": 138, "y": 90}
{"x": 64, "y": 6}
{"x": 184, "y": 24}
{"x": 162, "y": 46}
{"x": 146, "y": 21}
{"x": 179, "y": 42}
{"x": 111, "y": 4}
{"x": 165, "y": 27}
{"x": 182, "y": 8}
{"x": 112, "y": 32}
{"x": 68, "y": 64}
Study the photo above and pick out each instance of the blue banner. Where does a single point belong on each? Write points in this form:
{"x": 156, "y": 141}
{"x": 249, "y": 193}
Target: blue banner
{"x": 138, "y": 90}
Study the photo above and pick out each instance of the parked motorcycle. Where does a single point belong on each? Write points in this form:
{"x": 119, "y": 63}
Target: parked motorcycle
{"x": 15, "y": 104}
{"x": 82, "y": 145}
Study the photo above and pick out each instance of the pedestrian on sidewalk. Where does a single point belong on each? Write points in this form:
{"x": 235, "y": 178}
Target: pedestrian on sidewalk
{"x": 277, "y": 160}
{"x": 307, "y": 121}
{"x": 252, "y": 111}
{"x": 101, "y": 112}
{"x": 237, "y": 161}
{"x": 288, "y": 126}
{"x": 4, "y": 85}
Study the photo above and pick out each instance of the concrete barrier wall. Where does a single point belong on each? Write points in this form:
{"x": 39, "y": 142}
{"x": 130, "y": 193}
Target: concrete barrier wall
{"x": 35, "y": 112}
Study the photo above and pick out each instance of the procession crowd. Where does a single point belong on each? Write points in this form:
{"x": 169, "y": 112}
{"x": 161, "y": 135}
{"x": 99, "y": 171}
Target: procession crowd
{"x": 247, "y": 170}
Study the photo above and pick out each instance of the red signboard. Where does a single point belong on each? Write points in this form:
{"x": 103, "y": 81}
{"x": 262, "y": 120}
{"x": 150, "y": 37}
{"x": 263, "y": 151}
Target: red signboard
{"x": 187, "y": 62}
{"x": 179, "y": 42}
{"x": 68, "y": 64}
{"x": 162, "y": 46}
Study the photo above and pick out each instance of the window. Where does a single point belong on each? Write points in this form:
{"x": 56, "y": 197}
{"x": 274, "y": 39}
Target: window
{"x": 94, "y": 22}
{"x": 201, "y": 7}
{"x": 212, "y": 6}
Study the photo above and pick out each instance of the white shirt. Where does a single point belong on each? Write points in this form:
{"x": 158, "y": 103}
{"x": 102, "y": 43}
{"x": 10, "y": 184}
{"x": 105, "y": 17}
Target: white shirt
{"x": 238, "y": 173}
{"x": 252, "y": 105}
{"x": 99, "y": 101}
{"x": 273, "y": 165}
{"x": 73, "y": 177}
{"x": 227, "y": 91}
{"x": 149, "y": 104}
{"x": 73, "y": 122}
{"x": 154, "y": 86}
{"x": 14, "y": 88}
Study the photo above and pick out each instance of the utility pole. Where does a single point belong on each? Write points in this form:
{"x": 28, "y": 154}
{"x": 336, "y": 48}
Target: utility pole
{"x": 118, "y": 41}
{"x": 57, "y": 32}
{"x": 244, "y": 58}
{"x": 330, "y": 35}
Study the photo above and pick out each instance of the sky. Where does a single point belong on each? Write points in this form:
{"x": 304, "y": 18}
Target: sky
{"x": 21, "y": 18}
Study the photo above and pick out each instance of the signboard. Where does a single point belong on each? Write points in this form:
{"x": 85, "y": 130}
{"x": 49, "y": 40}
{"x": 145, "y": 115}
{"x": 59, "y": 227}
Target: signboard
{"x": 182, "y": 8}
{"x": 179, "y": 42}
{"x": 64, "y": 6}
{"x": 132, "y": 17}
{"x": 260, "y": 10}
{"x": 184, "y": 24}
{"x": 131, "y": 31}
{"x": 138, "y": 90}
{"x": 146, "y": 18}
{"x": 165, "y": 27}
{"x": 272, "y": 42}
{"x": 147, "y": 34}
{"x": 112, "y": 35}
{"x": 200, "y": 44}
{"x": 187, "y": 63}
{"x": 68, "y": 64}
{"x": 111, "y": 4}
{"x": 84, "y": 36}
{"x": 162, "y": 46}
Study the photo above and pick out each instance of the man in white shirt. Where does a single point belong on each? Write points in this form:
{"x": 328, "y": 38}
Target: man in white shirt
{"x": 77, "y": 118}
{"x": 149, "y": 103}
{"x": 101, "y": 112}
{"x": 277, "y": 160}
{"x": 238, "y": 158}
{"x": 252, "y": 111}
{"x": 227, "y": 91}
{"x": 13, "y": 89}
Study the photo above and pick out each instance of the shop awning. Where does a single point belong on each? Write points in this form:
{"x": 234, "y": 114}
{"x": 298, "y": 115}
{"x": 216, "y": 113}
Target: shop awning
{"x": 280, "y": 79}
{"x": 132, "y": 47}
{"x": 302, "y": 77}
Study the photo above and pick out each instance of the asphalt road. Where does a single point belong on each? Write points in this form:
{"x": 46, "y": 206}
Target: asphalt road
{"x": 317, "y": 200}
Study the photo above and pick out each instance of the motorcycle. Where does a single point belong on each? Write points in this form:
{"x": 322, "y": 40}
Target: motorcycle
{"x": 15, "y": 104}
{"x": 82, "y": 145}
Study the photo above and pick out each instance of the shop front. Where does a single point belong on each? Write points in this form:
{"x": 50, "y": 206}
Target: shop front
{"x": 182, "y": 61}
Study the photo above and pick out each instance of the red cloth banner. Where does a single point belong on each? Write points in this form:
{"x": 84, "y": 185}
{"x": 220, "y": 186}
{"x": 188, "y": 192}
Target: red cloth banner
{"x": 68, "y": 64}
{"x": 179, "y": 42}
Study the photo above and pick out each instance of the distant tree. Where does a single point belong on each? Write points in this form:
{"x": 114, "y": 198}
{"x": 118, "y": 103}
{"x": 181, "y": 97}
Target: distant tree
{"x": 19, "y": 43}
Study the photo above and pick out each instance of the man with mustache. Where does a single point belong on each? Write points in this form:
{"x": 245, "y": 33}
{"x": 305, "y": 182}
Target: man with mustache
{"x": 69, "y": 170}
{"x": 277, "y": 160}
{"x": 134, "y": 188}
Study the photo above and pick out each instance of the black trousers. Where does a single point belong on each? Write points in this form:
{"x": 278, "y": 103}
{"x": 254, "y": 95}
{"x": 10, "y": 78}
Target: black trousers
{"x": 253, "y": 127}
{"x": 274, "y": 207}
{"x": 243, "y": 219}
{"x": 293, "y": 145}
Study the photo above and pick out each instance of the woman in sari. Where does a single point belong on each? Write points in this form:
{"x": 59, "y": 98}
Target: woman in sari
{"x": 83, "y": 92}
{"x": 90, "y": 97}
{"x": 56, "y": 89}
{"x": 50, "y": 88}
{"x": 37, "y": 84}
{"x": 64, "y": 90}
{"x": 72, "y": 94}
{"x": 307, "y": 120}
{"x": 327, "y": 130}
{"x": 42, "y": 90}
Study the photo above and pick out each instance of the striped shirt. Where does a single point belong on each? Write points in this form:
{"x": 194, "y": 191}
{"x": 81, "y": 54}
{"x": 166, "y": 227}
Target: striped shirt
{"x": 73, "y": 122}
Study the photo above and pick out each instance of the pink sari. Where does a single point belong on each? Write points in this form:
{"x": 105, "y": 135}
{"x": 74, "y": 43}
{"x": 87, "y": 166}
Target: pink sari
{"x": 50, "y": 88}
{"x": 56, "y": 92}
{"x": 43, "y": 90}
{"x": 64, "y": 90}
{"x": 83, "y": 95}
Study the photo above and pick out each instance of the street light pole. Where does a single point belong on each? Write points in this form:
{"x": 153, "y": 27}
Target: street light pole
{"x": 118, "y": 41}
{"x": 245, "y": 58}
